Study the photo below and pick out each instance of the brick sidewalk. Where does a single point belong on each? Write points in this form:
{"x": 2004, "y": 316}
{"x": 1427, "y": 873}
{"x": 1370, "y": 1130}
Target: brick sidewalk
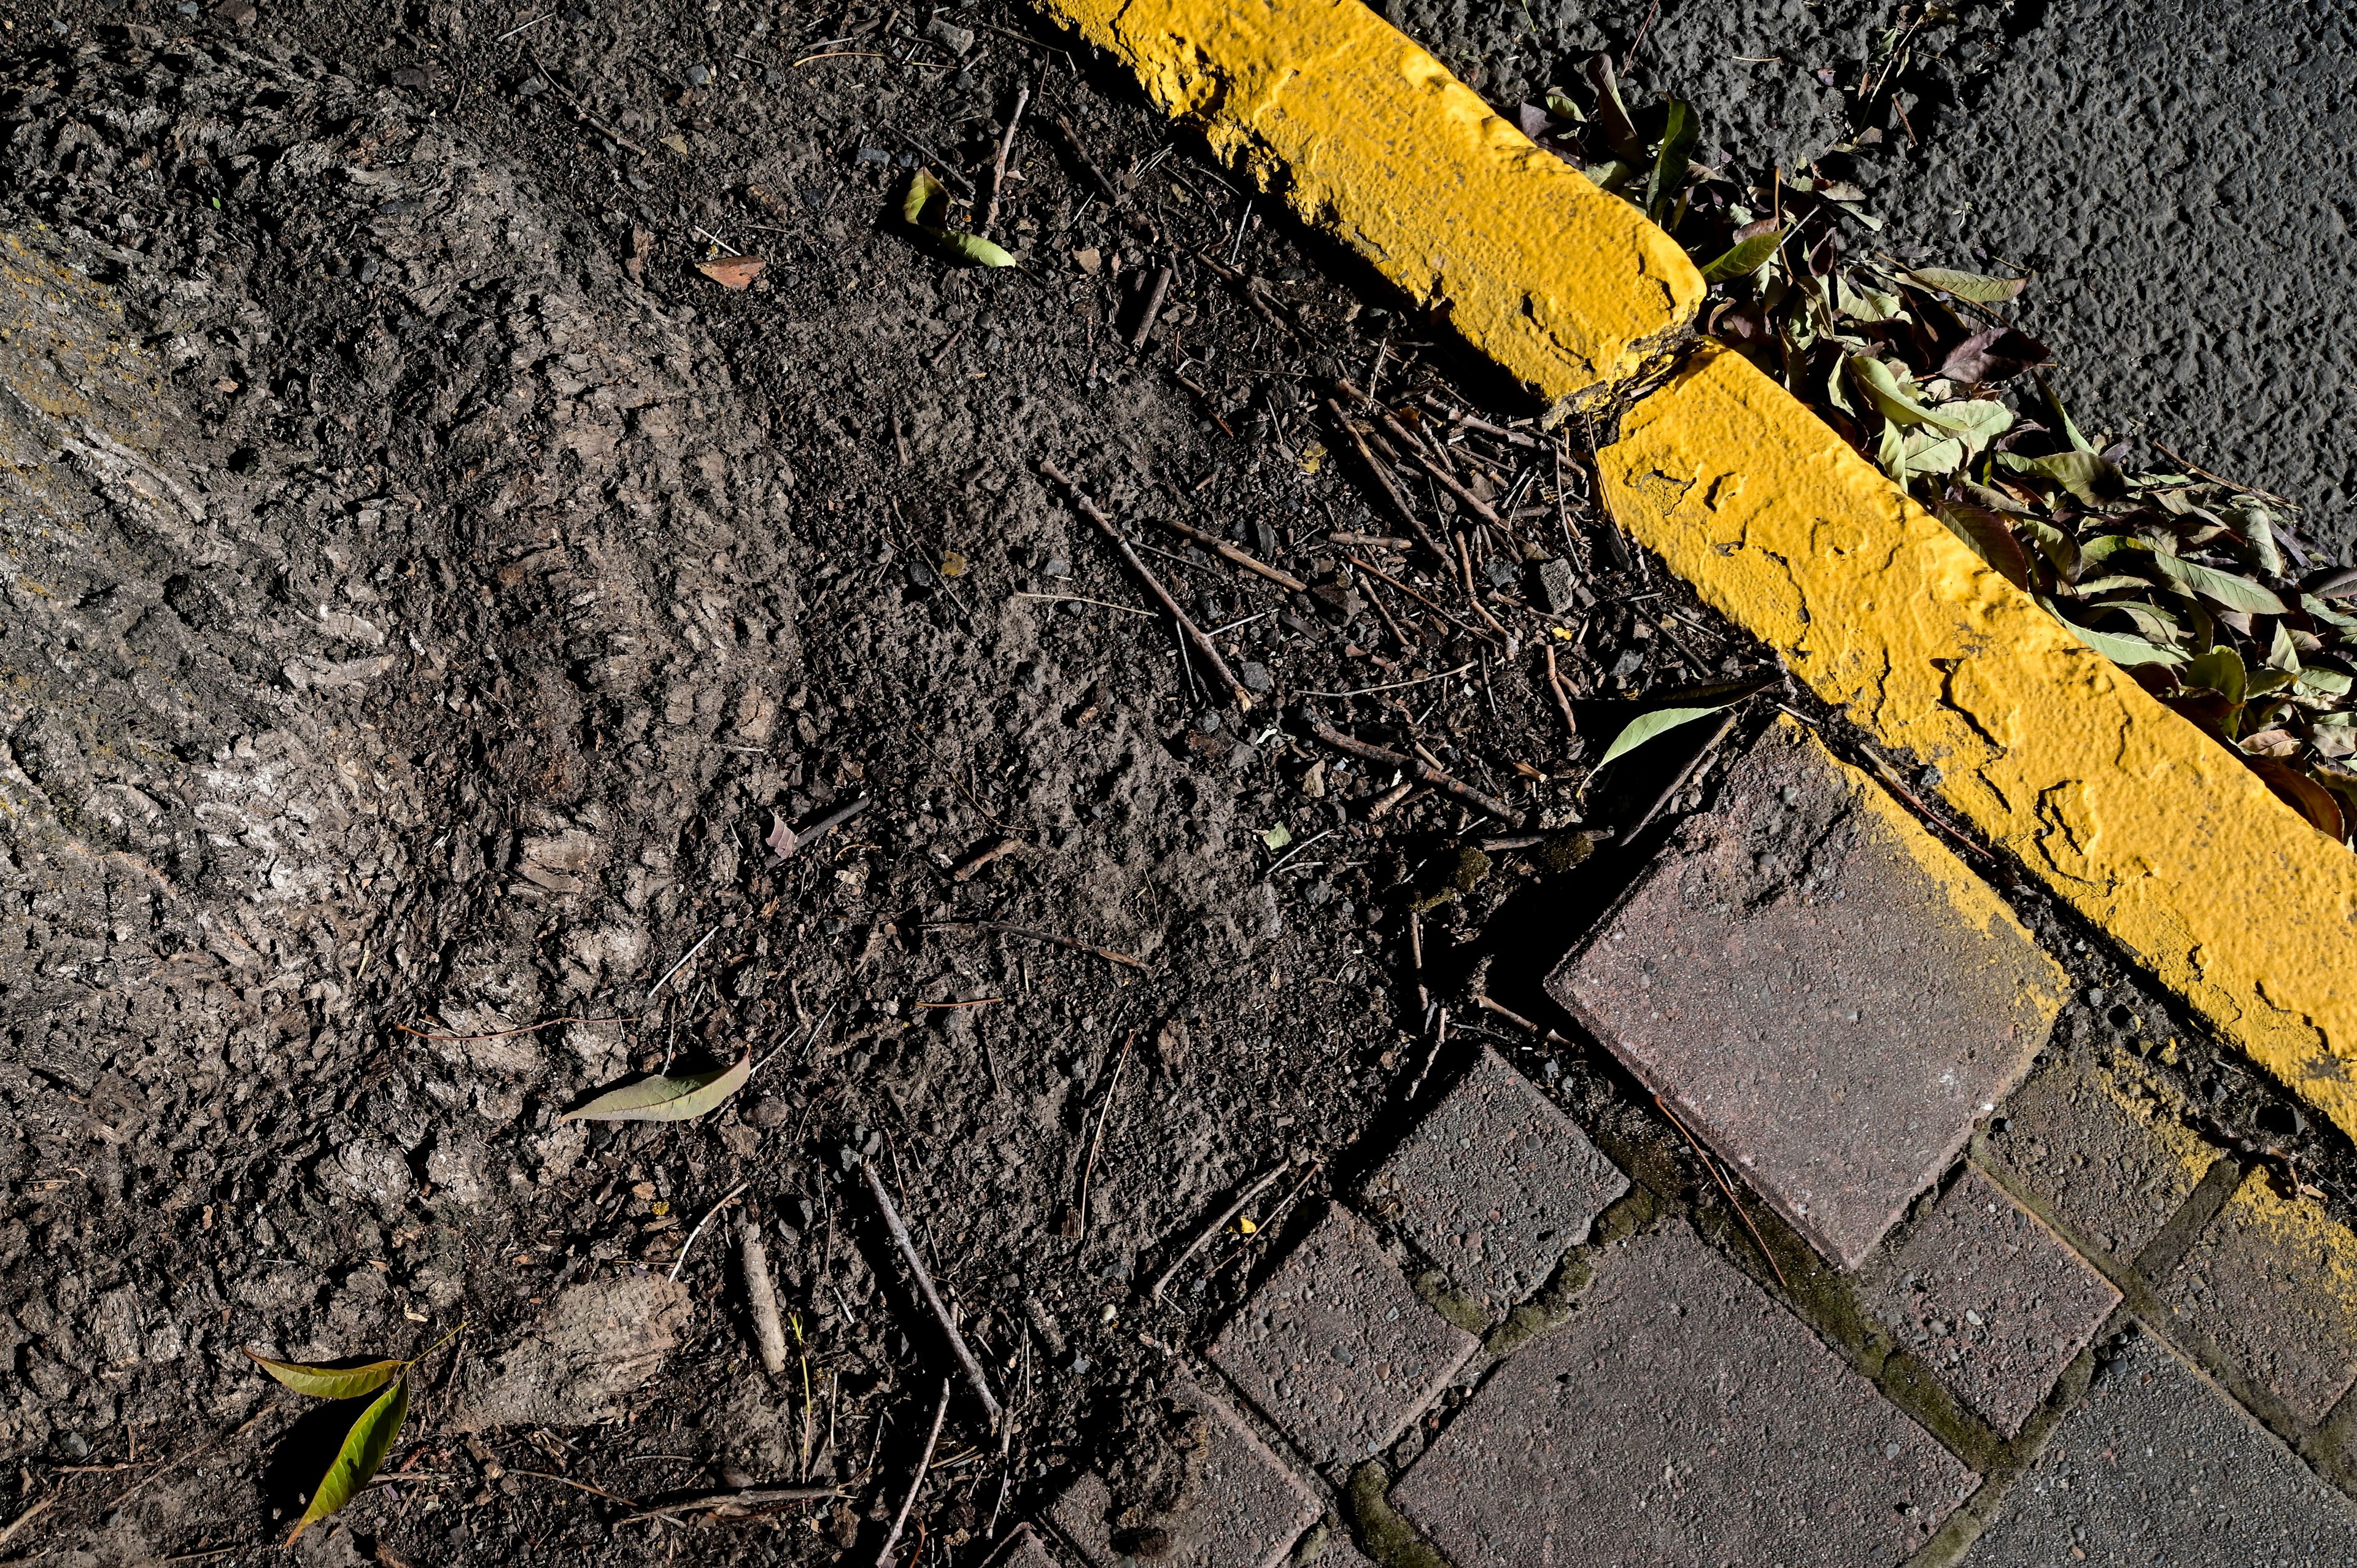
{"x": 2006, "y": 1313}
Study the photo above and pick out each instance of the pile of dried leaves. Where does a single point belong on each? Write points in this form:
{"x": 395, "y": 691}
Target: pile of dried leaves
{"x": 2192, "y": 583}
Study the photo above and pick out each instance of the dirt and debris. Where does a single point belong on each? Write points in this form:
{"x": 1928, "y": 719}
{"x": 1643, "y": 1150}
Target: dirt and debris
{"x": 462, "y": 655}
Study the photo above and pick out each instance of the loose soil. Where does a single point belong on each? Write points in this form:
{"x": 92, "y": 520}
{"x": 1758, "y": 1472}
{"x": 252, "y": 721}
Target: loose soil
{"x": 428, "y": 596}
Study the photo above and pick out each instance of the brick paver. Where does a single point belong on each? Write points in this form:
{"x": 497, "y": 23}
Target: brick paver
{"x": 1335, "y": 1349}
{"x": 1495, "y": 1185}
{"x": 1820, "y": 989}
{"x": 1244, "y": 1510}
{"x": 1681, "y": 1416}
{"x": 2112, "y": 1167}
{"x": 2156, "y": 1466}
{"x": 1989, "y": 1298}
{"x": 2274, "y": 1282}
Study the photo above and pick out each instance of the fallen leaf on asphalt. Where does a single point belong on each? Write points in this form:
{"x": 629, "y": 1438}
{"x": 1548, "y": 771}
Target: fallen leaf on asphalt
{"x": 1745, "y": 257}
{"x": 666, "y": 1097}
{"x": 1967, "y": 285}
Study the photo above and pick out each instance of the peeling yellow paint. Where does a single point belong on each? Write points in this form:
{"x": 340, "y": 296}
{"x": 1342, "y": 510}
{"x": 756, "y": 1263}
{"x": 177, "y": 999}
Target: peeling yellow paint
{"x": 1364, "y": 135}
{"x": 2132, "y": 815}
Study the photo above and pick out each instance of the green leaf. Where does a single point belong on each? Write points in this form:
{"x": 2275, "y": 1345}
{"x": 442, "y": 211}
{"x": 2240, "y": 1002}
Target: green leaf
{"x": 1978, "y": 420}
{"x": 1929, "y": 452}
{"x": 1866, "y": 304}
{"x": 329, "y": 1383}
{"x": 2104, "y": 546}
{"x": 2325, "y": 613}
{"x": 2062, "y": 415}
{"x": 974, "y": 248}
{"x": 923, "y": 207}
{"x": 1660, "y": 721}
{"x": 2221, "y": 670}
{"x": 680, "y": 1097}
{"x": 1277, "y": 837}
{"x": 1561, "y": 105}
{"x": 1612, "y": 113}
{"x": 1610, "y": 175}
{"x": 2124, "y": 650}
{"x": 2089, "y": 478}
{"x": 2282, "y": 654}
{"x": 1669, "y": 175}
{"x": 2256, "y": 525}
{"x": 2218, "y": 587}
{"x": 1745, "y": 257}
{"x": 924, "y": 192}
{"x": 2059, "y": 548}
{"x": 2331, "y": 682}
{"x": 1990, "y": 540}
{"x": 1882, "y": 387}
{"x": 363, "y": 1450}
{"x": 2158, "y": 625}
{"x": 1966, "y": 285}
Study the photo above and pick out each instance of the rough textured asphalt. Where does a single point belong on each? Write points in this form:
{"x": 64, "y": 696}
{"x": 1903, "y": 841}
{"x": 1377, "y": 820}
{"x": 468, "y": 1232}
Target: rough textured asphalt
{"x": 2181, "y": 174}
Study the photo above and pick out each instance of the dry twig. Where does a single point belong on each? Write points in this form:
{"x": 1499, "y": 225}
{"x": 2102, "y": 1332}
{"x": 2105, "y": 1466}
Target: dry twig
{"x": 1187, "y": 628}
{"x": 1259, "y": 1185}
{"x": 1419, "y": 769}
{"x": 932, "y": 1297}
{"x": 924, "y": 1463}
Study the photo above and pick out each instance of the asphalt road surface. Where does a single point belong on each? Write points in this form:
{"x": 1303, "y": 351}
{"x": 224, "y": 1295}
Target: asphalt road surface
{"x": 2180, "y": 173}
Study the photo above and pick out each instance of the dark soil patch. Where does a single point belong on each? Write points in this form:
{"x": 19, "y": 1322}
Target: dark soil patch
{"x": 427, "y": 595}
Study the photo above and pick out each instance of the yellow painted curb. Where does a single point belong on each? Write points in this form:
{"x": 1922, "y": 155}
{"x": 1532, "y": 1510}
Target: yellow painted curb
{"x": 2138, "y": 819}
{"x": 2131, "y": 814}
{"x": 1367, "y": 136}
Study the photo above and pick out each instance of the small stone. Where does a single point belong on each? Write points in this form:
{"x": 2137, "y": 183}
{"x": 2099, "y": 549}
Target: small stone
{"x": 698, "y": 75}
{"x": 238, "y": 13}
{"x": 1256, "y": 677}
{"x": 1558, "y": 586}
{"x": 949, "y": 35}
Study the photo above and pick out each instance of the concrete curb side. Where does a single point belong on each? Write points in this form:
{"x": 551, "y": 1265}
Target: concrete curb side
{"x": 2129, "y": 813}
{"x": 1365, "y": 135}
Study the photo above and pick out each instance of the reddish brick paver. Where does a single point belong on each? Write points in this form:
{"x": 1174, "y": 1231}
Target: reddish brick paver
{"x": 1247, "y": 1511}
{"x": 1990, "y": 1299}
{"x": 1495, "y": 1185}
{"x": 2157, "y": 1466}
{"x": 1335, "y": 1349}
{"x": 1819, "y": 990}
{"x": 1681, "y": 1417}
{"x": 2113, "y": 1167}
{"x": 2274, "y": 1282}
